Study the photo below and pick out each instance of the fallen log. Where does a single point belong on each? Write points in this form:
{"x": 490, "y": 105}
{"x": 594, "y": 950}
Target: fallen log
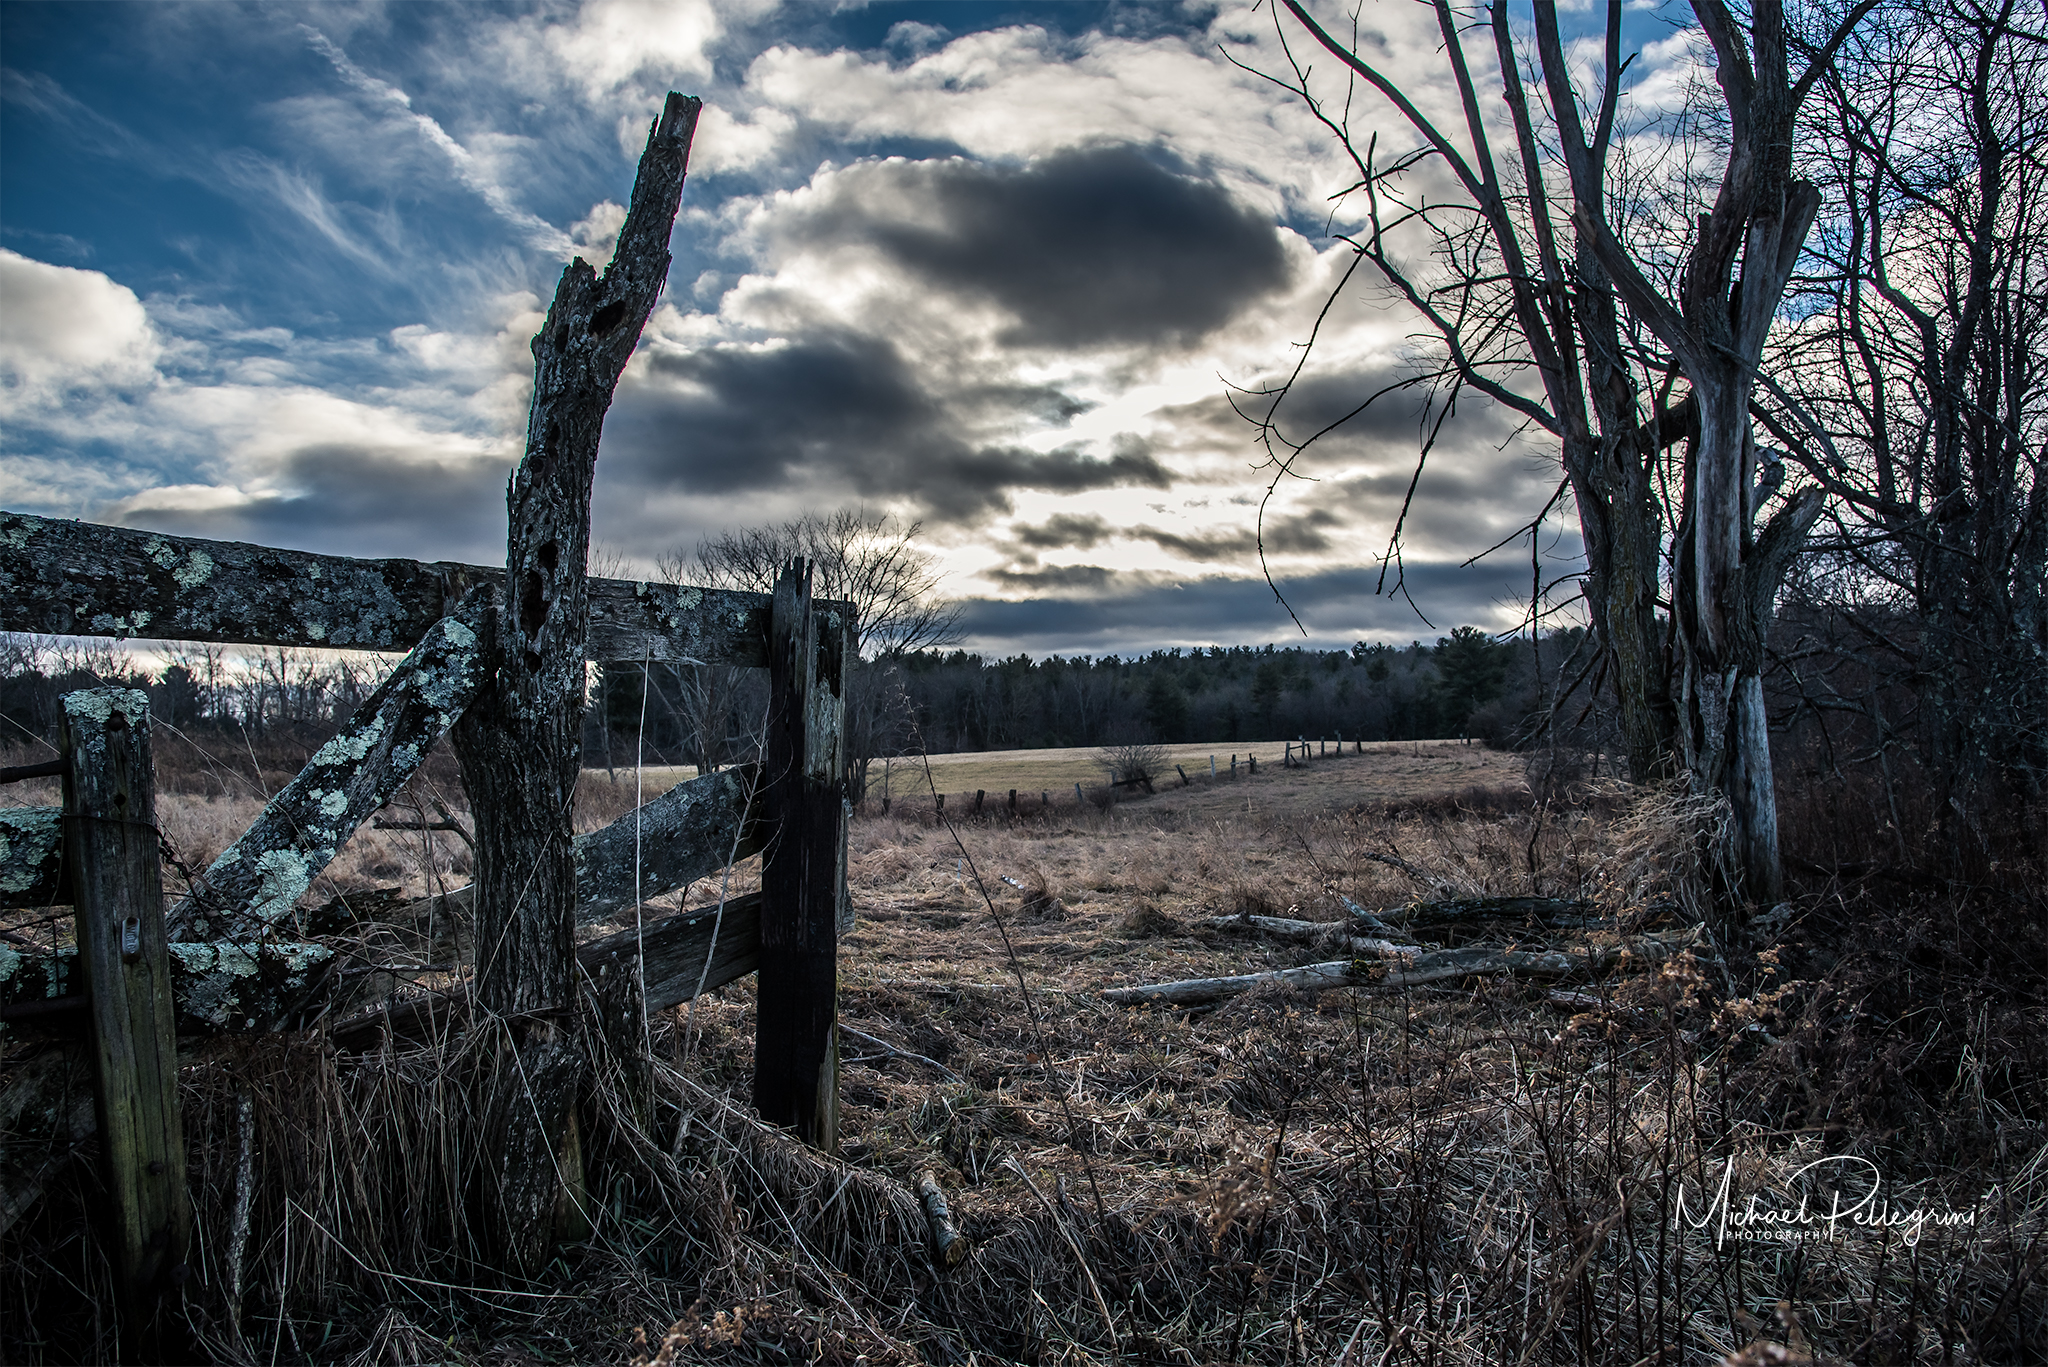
{"x": 1441, "y": 966}
{"x": 949, "y": 1246}
{"x": 1315, "y": 932}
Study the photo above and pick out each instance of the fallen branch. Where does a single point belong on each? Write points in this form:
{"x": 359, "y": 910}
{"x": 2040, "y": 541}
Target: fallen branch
{"x": 1403, "y": 865}
{"x": 1441, "y": 966}
{"x": 891, "y": 1051}
{"x": 1367, "y": 919}
{"x": 949, "y": 1246}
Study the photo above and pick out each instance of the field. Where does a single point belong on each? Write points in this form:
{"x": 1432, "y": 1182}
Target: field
{"x": 1385, "y": 769}
{"x": 1476, "y": 1171}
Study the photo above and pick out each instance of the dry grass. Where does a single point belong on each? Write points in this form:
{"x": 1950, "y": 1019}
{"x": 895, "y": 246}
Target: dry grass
{"x": 1475, "y": 1174}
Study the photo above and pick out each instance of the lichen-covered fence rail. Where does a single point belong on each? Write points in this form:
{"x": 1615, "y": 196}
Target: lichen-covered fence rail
{"x": 496, "y": 662}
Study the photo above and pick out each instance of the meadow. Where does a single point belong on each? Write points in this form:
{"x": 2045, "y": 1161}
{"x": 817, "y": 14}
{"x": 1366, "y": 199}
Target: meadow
{"x": 1482, "y": 1170}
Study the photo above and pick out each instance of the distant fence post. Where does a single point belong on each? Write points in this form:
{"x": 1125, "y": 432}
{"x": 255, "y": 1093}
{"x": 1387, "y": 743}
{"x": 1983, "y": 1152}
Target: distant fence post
{"x": 110, "y": 845}
{"x": 796, "y": 1024}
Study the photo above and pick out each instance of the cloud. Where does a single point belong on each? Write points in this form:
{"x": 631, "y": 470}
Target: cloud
{"x": 612, "y": 41}
{"x": 1304, "y": 533}
{"x": 65, "y": 330}
{"x": 842, "y": 415}
{"x": 347, "y": 499}
{"x": 1094, "y": 610}
{"x": 1064, "y": 530}
{"x": 1087, "y": 247}
{"x": 539, "y": 234}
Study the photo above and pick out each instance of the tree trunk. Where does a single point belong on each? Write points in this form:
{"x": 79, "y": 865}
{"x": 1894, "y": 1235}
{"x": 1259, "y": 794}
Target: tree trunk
{"x": 520, "y": 743}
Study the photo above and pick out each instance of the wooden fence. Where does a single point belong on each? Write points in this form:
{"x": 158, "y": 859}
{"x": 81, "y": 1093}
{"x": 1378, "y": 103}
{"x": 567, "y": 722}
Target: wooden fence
{"x": 496, "y": 660}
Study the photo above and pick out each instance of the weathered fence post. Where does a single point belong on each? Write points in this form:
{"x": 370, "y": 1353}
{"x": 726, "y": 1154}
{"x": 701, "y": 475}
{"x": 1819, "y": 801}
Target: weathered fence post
{"x": 521, "y": 742}
{"x": 110, "y": 846}
{"x": 796, "y": 1020}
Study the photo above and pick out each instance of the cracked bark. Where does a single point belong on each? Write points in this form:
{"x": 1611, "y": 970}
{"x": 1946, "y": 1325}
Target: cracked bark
{"x": 520, "y": 742}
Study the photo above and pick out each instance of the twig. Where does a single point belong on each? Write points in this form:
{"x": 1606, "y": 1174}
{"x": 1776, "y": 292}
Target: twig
{"x": 892, "y": 1051}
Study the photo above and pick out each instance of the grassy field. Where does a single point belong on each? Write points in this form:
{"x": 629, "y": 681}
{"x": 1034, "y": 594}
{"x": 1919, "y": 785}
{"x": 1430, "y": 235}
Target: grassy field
{"x": 1473, "y": 1172}
{"x": 1385, "y": 769}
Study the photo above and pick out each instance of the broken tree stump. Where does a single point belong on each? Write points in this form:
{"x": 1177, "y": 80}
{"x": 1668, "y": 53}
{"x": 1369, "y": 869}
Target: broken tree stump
{"x": 520, "y": 742}
{"x": 110, "y": 844}
{"x": 796, "y": 1046}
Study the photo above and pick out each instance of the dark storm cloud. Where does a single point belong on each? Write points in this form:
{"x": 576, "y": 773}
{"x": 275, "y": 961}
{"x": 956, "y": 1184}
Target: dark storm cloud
{"x": 839, "y": 412}
{"x": 1063, "y": 530}
{"x": 350, "y": 500}
{"x": 1393, "y": 426}
{"x": 1300, "y": 534}
{"x": 1054, "y": 577}
{"x": 1137, "y": 612}
{"x": 1089, "y": 247}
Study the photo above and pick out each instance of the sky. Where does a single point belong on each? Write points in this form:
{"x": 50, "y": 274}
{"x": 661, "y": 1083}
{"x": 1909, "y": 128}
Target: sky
{"x": 269, "y": 273}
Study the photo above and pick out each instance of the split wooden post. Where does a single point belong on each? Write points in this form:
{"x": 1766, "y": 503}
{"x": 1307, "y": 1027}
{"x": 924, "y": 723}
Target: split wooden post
{"x": 796, "y": 1023}
{"x": 110, "y": 845}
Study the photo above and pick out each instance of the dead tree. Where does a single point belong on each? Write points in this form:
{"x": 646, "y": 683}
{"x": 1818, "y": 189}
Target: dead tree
{"x": 1564, "y": 295}
{"x": 520, "y": 742}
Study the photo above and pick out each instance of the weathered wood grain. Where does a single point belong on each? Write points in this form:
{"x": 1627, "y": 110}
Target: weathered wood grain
{"x": 32, "y": 857}
{"x": 520, "y": 742}
{"x": 689, "y": 832}
{"x": 258, "y": 880}
{"x": 83, "y": 579}
{"x": 796, "y": 1045}
{"x": 110, "y": 843}
{"x": 687, "y": 953}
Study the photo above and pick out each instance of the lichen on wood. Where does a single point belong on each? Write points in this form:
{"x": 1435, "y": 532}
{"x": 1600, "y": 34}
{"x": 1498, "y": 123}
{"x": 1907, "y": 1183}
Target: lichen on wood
{"x": 221, "y": 987}
{"x": 520, "y": 743}
{"x": 258, "y": 880}
{"x": 31, "y": 857}
{"x": 689, "y": 832}
{"x": 84, "y": 579}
